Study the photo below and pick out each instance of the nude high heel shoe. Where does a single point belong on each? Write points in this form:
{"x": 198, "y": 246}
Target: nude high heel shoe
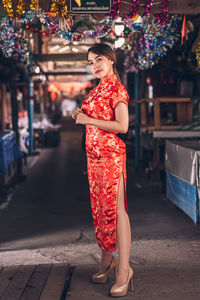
{"x": 102, "y": 277}
{"x": 120, "y": 291}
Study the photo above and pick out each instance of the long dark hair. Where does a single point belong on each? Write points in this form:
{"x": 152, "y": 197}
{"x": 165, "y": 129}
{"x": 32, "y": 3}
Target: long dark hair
{"x": 107, "y": 51}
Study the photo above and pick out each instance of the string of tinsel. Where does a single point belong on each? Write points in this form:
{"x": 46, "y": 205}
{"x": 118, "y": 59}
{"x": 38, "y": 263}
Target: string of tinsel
{"x": 14, "y": 45}
{"x": 150, "y": 44}
{"x": 97, "y": 32}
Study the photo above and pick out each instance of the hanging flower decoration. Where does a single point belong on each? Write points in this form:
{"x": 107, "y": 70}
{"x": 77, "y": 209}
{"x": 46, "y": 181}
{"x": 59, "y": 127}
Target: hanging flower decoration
{"x": 7, "y": 5}
{"x": 197, "y": 52}
{"x": 20, "y": 8}
{"x": 134, "y": 8}
{"x": 148, "y": 5}
{"x": 150, "y": 44}
{"x": 60, "y": 7}
{"x": 55, "y": 7}
{"x": 163, "y": 17}
{"x": 114, "y": 9}
{"x": 34, "y": 5}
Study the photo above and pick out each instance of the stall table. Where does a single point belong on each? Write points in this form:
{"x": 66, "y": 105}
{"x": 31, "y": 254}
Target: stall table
{"x": 182, "y": 166}
{"x": 156, "y": 142}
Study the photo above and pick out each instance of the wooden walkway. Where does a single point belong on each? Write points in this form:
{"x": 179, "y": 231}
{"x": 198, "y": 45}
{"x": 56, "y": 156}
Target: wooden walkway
{"x": 34, "y": 282}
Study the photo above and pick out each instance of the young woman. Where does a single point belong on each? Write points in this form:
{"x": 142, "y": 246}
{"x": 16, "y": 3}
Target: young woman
{"x": 105, "y": 114}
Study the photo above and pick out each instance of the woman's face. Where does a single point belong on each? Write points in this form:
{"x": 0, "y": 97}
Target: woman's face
{"x": 100, "y": 66}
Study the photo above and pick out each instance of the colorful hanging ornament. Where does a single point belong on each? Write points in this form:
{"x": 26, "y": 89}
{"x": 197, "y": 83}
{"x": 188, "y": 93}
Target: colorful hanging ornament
{"x": 163, "y": 17}
{"x": 196, "y": 42}
{"x": 148, "y": 5}
{"x": 114, "y": 9}
{"x": 34, "y": 5}
{"x": 98, "y": 32}
{"x": 7, "y": 5}
{"x": 150, "y": 44}
{"x": 64, "y": 12}
{"x": 135, "y": 18}
{"x": 184, "y": 30}
{"x": 13, "y": 45}
{"x": 54, "y": 7}
{"x": 20, "y": 8}
{"x": 43, "y": 18}
{"x": 134, "y": 8}
{"x": 197, "y": 52}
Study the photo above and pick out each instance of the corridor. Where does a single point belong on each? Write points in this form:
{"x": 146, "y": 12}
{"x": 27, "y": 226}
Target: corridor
{"x": 47, "y": 220}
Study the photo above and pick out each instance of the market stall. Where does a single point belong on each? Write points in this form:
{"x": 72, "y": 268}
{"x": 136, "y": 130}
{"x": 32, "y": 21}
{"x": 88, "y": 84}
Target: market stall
{"x": 182, "y": 166}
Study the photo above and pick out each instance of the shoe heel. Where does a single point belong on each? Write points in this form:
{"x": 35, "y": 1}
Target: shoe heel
{"x": 131, "y": 284}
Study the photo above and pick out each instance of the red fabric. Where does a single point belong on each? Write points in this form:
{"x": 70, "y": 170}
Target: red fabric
{"x": 106, "y": 160}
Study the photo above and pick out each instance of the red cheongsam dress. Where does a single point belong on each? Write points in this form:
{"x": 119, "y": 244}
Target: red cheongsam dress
{"x": 106, "y": 159}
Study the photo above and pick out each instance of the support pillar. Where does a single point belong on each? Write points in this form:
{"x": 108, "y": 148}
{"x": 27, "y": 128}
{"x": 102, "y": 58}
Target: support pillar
{"x": 137, "y": 121}
{"x": 30, "y": 114}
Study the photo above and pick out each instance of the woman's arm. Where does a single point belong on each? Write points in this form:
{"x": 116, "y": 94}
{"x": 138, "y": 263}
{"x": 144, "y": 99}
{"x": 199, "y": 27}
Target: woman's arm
{"x": 120, "y": 124}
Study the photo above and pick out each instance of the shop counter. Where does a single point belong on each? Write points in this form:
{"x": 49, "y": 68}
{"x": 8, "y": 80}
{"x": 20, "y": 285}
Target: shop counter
{"x": 182, "y": 166}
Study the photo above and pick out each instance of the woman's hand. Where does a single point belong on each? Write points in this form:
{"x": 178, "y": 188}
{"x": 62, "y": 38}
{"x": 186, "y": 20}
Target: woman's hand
{"x": 75, "y": 113}
{"x": 82, "y": 119}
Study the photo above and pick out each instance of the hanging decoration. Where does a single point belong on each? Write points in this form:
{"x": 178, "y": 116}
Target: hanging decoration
{"x": 59, "y": 7}
{"x": 20, "y": 8}
{"x": 197, "y": 52}
{"x": 184, "y": 33}
{"x": 114, "y": 9}
{"x": 134, "y": 8}
{"x": 14, "y": 45}
{"x": 148, "y": 5}
{"x": 164, "y": 17}
{"x": 34, "y": 5}
{"x": 149, "y": 38}
{"x": 150, "y": 44}
{"x": 7, "y": 5}
{"x": 43, "y": 18}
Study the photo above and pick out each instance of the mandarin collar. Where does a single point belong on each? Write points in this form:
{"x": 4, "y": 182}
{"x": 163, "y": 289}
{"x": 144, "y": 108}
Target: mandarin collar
{"x": 112, "y": 77}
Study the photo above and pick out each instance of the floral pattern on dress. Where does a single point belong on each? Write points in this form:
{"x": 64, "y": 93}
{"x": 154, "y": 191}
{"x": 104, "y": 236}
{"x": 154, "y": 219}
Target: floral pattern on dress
{"x": 106, "y": 159}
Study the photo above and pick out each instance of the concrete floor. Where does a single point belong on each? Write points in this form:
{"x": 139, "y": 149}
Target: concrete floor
{"x": 47, "y": 219}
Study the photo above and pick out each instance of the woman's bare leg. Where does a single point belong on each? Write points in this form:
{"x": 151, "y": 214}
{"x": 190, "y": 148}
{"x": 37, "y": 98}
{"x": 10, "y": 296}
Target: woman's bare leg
{"x": 123, "y": 236}
{"x": 106, "y": 258}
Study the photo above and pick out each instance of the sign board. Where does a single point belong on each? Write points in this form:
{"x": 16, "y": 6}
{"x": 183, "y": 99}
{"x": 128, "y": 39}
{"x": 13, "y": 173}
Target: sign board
{"x": 90, "y": 6}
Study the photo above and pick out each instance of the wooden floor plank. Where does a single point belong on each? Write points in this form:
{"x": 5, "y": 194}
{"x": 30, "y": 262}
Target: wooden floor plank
{"x": 36, "y": 283}
{"x": 6, "y": 276}
{"x": 16, "y": 287}
{"x": 55, "y": 283}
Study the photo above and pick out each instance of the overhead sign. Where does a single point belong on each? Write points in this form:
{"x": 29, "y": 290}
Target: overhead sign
{"x": 90, "y": 6}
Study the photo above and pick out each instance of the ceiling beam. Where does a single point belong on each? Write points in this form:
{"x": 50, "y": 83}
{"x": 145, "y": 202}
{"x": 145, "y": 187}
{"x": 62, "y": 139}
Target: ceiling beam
{"x": 61, "y": 57}
{"x": 59, "y": 73}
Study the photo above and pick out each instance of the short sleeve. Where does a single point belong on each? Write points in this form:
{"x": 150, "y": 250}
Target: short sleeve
{"x": 119, "y": 94}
